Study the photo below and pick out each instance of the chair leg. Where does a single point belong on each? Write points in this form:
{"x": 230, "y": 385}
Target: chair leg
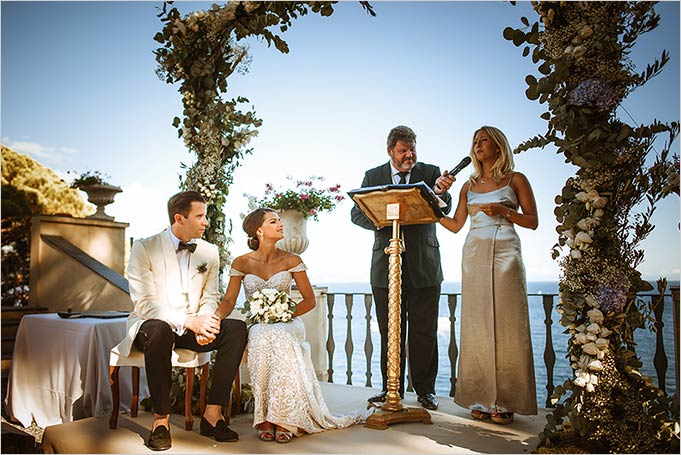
{"x": 202, "y": 388}
{"x": 113, "y": 377}
{"x": 227, "y": 410}
{"x": 135, "y": 391}
{"x": 188, "y": 420}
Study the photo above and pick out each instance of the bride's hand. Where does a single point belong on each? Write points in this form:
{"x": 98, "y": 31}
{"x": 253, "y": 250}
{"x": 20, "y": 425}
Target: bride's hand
{"x": 204, "y": 340}
{"x": 206, "y": 325}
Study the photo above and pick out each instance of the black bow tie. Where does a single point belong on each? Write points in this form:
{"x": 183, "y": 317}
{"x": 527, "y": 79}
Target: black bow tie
{"x": 191, "y": 247}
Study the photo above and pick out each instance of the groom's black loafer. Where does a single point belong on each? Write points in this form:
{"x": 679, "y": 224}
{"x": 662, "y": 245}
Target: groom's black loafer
{"x": 159, "y": 439}
{"x": 428, "y": 401}
{"x": 378, "y": 398}
{"x": 381, "y": 397}
{"x": 221, "y": 432}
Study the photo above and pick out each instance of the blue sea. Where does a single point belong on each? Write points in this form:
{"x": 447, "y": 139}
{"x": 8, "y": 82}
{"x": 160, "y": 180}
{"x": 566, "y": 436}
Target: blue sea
{"x": 645, "y": 339}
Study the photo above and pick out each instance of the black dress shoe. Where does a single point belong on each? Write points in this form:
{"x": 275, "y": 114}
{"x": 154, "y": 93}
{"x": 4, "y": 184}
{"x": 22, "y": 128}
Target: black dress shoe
{"x": 381, "y": 397}
{"x": 428, "y": 401}
{"x": 221, "y": 432}
{"x": 159, "y": 439}
{"x": 378, "y": 398}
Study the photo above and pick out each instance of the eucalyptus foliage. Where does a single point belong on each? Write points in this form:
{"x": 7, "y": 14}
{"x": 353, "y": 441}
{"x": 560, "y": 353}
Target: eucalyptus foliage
{"x": 581, "y": 50}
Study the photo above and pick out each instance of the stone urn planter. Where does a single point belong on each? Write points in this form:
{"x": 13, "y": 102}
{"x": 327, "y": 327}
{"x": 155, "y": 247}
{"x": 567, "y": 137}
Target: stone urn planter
{"x": 295, "y": 232}
{"x": 101, "y": 196}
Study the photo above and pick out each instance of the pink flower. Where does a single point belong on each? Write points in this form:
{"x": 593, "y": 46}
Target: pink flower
{"x": 340, "y": 197}
{"x": 334, "y": 189}
{"x": 304, "y": 196}
{"x": 313, "y": 211}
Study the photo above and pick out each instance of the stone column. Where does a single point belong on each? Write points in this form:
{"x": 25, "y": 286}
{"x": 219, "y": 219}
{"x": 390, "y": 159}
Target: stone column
{"x": 316, "y": 331}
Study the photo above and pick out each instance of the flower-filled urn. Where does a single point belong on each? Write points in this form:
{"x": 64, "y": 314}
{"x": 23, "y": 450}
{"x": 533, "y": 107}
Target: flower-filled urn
{"x": 295, "y": 232}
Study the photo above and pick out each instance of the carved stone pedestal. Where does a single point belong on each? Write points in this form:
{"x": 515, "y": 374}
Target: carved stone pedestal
{"x": 86, "y": 273}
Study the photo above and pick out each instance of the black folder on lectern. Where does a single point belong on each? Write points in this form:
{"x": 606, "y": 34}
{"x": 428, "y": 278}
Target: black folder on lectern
{"x": 422, "y": 204}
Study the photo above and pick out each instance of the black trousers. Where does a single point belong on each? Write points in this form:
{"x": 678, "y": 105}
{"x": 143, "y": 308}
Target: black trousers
{"x": 156, "y": 340}
{"x": 418, "y": 319}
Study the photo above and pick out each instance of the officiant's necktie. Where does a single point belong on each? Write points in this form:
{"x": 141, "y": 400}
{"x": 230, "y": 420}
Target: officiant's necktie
{"x": 403, "y": 177}
{"x": 191, "y": 247}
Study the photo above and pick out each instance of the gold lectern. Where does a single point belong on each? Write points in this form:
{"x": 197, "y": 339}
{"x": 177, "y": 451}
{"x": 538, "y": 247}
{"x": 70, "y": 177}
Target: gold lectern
{"x": 396, "y": 205}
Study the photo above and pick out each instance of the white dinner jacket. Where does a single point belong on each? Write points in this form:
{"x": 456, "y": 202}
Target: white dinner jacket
{"x": 156, "y": 287}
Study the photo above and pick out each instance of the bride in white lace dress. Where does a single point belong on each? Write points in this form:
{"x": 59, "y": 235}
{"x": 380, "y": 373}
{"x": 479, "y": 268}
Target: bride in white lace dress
{"x": 287, "y": 395}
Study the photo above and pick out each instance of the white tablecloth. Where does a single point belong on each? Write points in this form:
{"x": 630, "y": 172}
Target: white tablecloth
{"x": 60, "y": 369}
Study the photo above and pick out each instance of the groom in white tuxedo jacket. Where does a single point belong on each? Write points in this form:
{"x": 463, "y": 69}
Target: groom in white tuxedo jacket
{"x": 173, "y": 280}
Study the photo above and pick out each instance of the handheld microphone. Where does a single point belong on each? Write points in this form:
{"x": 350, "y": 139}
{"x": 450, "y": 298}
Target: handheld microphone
{"x": 456, "y": 169}
{"x": 464, "y": 162}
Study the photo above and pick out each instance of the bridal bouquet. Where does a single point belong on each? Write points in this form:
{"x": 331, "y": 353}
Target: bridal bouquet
{"x": 268, "y": 306}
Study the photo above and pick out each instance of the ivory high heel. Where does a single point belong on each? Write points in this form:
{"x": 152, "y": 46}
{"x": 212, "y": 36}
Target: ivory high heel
{"x": 282, "y": 437}
{"x": 266, "y": 435}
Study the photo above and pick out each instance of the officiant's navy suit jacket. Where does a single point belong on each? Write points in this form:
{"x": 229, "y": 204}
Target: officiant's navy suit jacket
{"x": 422, "y": 255}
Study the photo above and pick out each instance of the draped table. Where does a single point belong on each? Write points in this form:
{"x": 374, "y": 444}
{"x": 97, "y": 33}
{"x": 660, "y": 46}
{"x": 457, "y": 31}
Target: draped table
{"x": 60, "y": 369}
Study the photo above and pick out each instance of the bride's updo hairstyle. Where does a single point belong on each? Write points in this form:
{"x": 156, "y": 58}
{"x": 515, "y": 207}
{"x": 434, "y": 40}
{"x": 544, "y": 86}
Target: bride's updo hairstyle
{"x": 251, "y": 224}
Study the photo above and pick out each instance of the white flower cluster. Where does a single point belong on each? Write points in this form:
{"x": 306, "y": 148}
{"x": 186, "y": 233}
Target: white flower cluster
{"x": 269, "y": 306}
{"x": 204, "y": 176}
{"x": 592, "y": 336}
{"x": 586, "y": 380}
{"x": 592, "y": 199}
{"x": 583, "y": 239}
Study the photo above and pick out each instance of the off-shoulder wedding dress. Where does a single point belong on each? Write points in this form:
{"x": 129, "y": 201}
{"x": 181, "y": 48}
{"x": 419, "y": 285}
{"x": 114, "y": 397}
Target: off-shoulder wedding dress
{"x": 285, "y": 388}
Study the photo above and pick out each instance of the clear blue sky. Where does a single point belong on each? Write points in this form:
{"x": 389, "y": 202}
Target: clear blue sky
{"x": 79, "y": 91}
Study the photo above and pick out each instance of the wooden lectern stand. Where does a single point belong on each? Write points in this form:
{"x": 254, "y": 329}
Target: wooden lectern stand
{"x": 396, "y": 205}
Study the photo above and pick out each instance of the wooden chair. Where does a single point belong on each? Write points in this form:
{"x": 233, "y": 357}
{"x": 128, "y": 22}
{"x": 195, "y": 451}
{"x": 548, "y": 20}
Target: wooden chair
{"x": 184, "y": 358}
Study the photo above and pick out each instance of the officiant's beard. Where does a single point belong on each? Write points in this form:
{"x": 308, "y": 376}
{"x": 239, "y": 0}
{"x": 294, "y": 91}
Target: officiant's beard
{"x": 405, "y": 165}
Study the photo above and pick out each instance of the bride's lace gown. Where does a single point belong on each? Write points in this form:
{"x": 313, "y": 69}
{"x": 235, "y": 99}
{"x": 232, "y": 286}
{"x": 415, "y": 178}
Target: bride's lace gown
{"x": 285, "y": 388}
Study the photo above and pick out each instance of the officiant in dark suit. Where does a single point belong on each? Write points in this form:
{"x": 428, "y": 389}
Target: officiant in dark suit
{"x": 421, "y": 269}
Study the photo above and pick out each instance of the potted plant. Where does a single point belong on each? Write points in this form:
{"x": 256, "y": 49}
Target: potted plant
{"x": 302, "y": 199}
{"x": 98, "y": 190}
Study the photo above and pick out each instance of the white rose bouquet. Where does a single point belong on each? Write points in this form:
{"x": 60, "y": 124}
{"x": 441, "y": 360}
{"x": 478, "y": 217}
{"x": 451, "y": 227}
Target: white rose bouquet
{"x": 268, "y": 306}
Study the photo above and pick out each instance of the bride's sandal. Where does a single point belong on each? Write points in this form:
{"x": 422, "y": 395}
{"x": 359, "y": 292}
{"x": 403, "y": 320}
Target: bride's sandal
{"x": 283, "y": 437}
{"x": 266, "y": 435}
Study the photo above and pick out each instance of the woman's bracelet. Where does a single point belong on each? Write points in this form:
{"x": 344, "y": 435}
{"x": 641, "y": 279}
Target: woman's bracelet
{"x": 508, "y": 214}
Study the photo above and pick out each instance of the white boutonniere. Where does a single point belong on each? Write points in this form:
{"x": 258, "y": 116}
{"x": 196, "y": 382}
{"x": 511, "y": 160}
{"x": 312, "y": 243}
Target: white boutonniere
{"x": 202, "y": 268}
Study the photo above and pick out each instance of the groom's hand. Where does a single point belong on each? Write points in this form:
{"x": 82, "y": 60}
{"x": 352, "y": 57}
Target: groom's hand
{"x": 205, "y": 325}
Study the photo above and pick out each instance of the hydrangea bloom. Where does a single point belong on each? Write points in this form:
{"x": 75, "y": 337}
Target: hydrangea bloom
{"x": 611, "y": 299}
{"x": 595, "y": 93}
